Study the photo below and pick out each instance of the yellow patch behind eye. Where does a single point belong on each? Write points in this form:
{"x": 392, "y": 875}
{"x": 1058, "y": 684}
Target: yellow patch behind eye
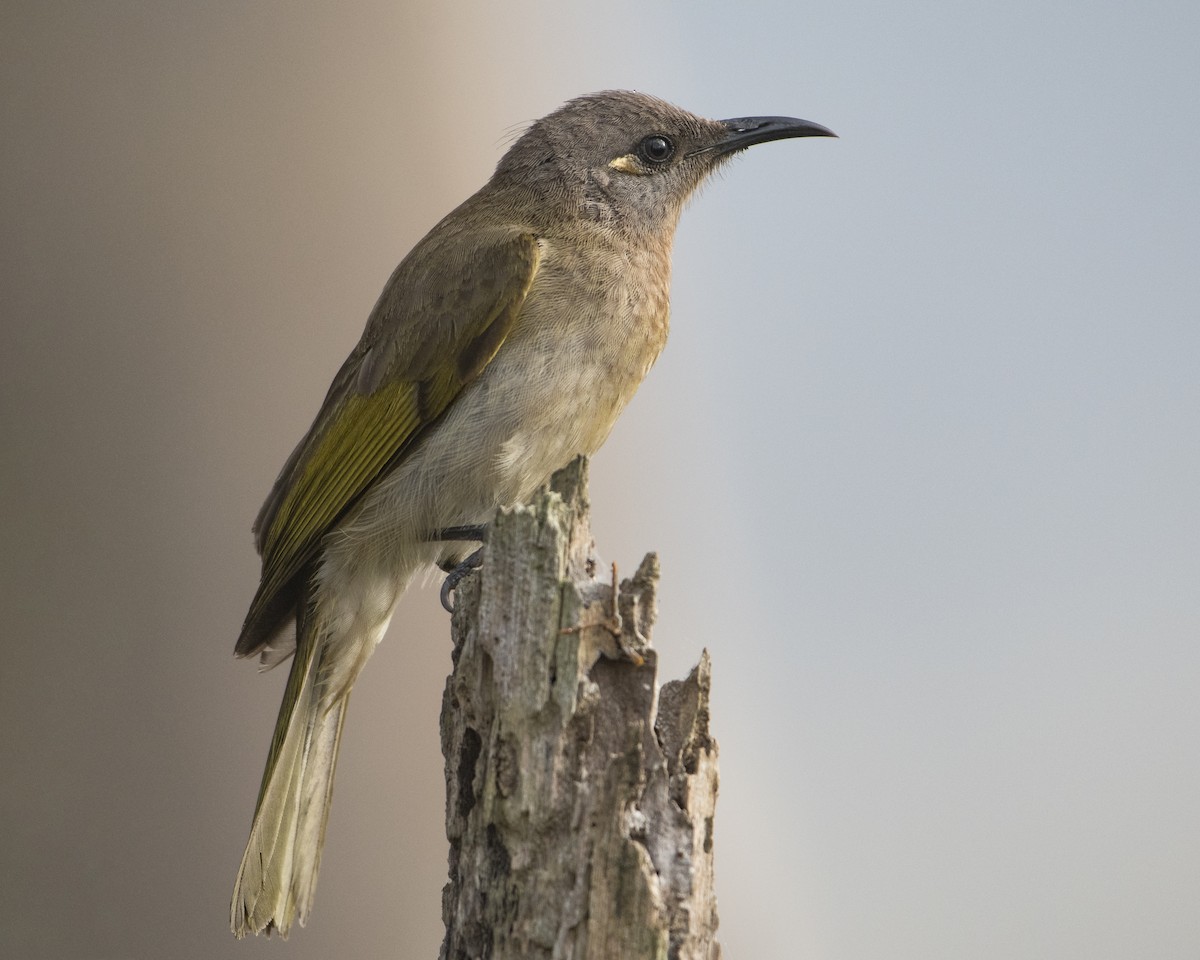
{"x": 626, "y": 164}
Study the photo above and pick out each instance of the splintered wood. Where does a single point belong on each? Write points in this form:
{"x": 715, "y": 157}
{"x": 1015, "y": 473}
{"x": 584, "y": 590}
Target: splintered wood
{"x": 579, "y": 797}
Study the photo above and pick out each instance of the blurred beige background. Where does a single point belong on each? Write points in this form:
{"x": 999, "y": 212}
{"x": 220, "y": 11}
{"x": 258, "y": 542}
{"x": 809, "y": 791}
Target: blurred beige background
{"x": 920, "y": 459}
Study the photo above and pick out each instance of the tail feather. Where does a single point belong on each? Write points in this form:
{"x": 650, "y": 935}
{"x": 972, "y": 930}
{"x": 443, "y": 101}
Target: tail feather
{"x": 278, "y": 874}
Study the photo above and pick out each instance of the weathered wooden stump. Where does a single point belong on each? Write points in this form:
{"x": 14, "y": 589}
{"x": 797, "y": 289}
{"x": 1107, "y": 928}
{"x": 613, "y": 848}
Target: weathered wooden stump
{"x": 579, "y": 797}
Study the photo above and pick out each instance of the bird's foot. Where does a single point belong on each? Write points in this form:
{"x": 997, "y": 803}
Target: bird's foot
{"x": 455, "y": 577}
{"x": 457, "y": 569}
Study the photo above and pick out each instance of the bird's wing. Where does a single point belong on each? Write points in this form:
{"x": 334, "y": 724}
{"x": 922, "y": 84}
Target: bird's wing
{"x": 440, "y": 320}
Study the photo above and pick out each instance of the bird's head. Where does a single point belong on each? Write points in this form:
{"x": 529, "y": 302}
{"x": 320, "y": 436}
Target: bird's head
{"x": 628, "y": 160}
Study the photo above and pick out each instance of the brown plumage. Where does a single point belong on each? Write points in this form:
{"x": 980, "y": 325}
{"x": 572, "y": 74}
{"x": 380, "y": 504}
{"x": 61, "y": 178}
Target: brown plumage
{"x": 506, "y": 343}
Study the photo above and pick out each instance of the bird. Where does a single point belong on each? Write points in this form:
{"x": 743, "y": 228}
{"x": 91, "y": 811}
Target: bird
{"x": 505, "y": 344}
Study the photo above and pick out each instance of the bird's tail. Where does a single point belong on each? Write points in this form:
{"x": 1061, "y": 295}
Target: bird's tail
{"x": 278, "y": 875}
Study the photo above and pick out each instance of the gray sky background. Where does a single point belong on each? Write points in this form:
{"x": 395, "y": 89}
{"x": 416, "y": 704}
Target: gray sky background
{"x": 920, "y": 458}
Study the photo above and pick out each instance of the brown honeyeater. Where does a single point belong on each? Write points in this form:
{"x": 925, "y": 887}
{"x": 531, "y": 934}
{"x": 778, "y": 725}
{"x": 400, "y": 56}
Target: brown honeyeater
{"x": 505, "y": 344}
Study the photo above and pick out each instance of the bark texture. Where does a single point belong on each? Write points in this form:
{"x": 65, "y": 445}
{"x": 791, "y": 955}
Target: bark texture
{"x": 579, "y": 797}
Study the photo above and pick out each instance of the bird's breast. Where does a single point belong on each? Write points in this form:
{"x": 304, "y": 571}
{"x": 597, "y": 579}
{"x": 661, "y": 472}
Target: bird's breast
{"x": 592, "y": 325}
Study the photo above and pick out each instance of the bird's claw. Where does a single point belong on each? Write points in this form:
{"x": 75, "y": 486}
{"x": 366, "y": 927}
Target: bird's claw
{"x": 455, "y": 577}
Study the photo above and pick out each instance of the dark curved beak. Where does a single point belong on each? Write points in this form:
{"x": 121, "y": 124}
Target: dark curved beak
{"x": 747, "y": 131}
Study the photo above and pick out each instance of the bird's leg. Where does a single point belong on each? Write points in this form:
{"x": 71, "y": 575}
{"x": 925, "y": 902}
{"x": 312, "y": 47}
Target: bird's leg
{"x": 457, "y": 570}
{"x": 467, "y": 531}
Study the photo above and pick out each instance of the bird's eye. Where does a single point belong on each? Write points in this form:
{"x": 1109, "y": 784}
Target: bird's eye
{"x": 656, "y": 149}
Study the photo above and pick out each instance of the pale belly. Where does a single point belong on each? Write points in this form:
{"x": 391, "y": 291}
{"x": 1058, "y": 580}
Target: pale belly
{"x": 552, "y": 392}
